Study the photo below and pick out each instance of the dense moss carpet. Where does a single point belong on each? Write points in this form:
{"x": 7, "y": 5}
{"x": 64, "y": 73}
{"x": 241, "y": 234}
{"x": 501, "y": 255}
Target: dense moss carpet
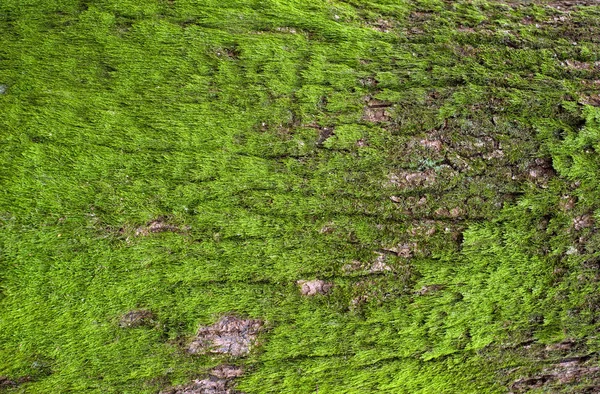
{"x": 384, "y": 196}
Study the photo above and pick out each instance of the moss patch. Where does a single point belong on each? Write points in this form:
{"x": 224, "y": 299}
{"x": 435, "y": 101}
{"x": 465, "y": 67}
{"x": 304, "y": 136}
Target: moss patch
{"x": 434, "y": 163}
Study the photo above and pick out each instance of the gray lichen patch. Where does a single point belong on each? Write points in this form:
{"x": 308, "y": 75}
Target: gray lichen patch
{"x": 230, "y": 335}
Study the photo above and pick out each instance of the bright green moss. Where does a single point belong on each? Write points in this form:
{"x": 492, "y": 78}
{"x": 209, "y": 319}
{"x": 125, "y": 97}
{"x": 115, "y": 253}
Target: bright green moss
{"x": 298, "y": 140}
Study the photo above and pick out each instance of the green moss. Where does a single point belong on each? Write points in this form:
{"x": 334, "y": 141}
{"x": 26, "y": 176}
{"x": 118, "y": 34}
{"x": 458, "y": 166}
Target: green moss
{"x": 243, "y": 126}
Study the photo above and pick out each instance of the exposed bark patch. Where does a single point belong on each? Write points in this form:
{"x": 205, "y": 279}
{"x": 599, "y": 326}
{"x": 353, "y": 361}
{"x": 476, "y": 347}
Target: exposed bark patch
{"x": 413, "y": 179}
{"x": 567, "y": 202}
{"x": 314, "y": 287}
{"x": 354, "y": 265}
{"x": 595, "y": 83}
{"x": 567, "y": 371}
{"x": 324, "y": 134}
{"x": 593, "y": 99}
{"x": 369, "y": 82}
{"x": 6, "y": 382}
{"x": 286, "y": 29}
{"x": 434, "y": 145}
{"x": 367, "y": 290}
{"x": 327, "y": 229}
{"x": 376, "y": 289}
{"x": 396, "y": 199}
{"x": 410, "y": 204}
{"x": 568, "y": 5}
{"x": 565, "y": 345}
{"x": 464, "y": 29}
{"x": 496, "y": 154}
{"x": 363, "y": 296}
{"x": 376, "y": 266}
{"x": 424, "y": 228}
{"x": 466, "y": 50}
{"x": 219, "y": 381}
{"x": 456, "y": 212}
{"x": 230, "y": 335}
{"x": 541, "y": 171}
{"x": 452, "y": 213}
{"x": 379, "y": 265}
{"x": 376, "y": 111}
{"x": 230, "y": 53}
{"x": 471, "y": 147}
{"x": 159, "y": 225}
{"x": 404, "y": 250}
{"x": 526, "y": 384}
{"x": 137, "y": 318}
{"x": 361, "y": 143}
{"x": 577, "y": 65}
{"x": 376, "y": 115}
{"x": 583, "y": 221}
{"x": 428, "y": 289}
{"x": 381, "y": 25}
{"x": 226, "y": 372}
{"x": 420, "y": 16}
{"x": 457, "y": 162}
